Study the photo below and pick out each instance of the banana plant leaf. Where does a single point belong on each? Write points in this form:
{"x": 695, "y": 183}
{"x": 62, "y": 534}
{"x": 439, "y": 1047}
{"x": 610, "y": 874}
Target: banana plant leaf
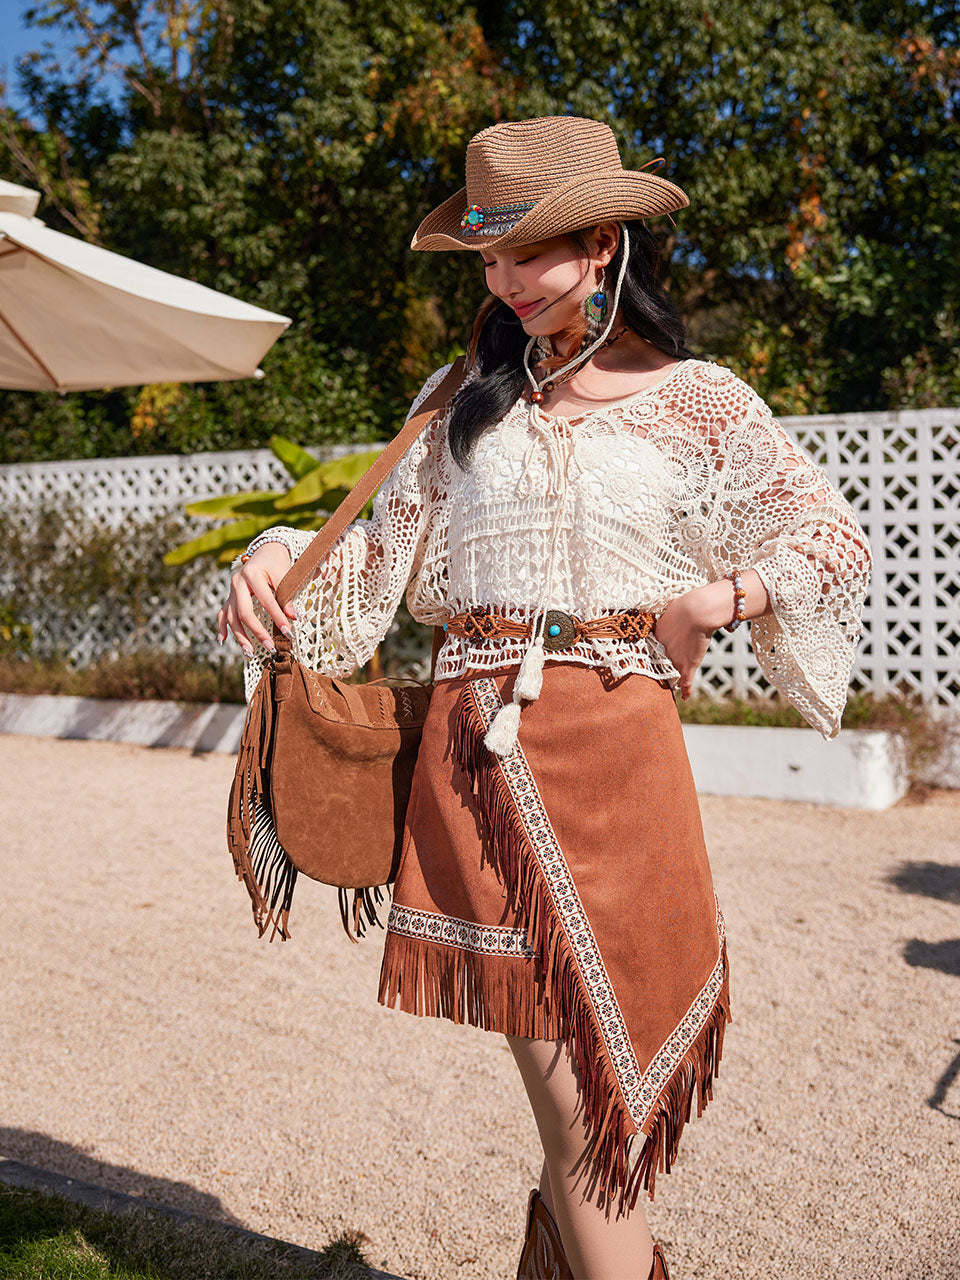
{"x": 225, "y": 558}
{"x": 310, "y": 523}
{"x": 297, "y": 461}
{"x": 319, "y": 489}
{"x": 323, "y": 507}
{"x": 255, "y": 502}
{"x": 237, "y": 534}
{"x": 340, "y": 473}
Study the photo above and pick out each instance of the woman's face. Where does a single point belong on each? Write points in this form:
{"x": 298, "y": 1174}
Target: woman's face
{"x": 546, "y": 283}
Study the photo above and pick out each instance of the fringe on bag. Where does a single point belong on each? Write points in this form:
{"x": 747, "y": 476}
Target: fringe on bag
{"x": 363, "y": 910}
{"x": 621, "y": 1159}
{"x": 259, "y": 858}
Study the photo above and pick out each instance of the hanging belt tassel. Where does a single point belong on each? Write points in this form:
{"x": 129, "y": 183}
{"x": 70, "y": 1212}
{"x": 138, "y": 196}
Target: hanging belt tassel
{"x": 530, "y": 675}
{"x": 501, "y": 737}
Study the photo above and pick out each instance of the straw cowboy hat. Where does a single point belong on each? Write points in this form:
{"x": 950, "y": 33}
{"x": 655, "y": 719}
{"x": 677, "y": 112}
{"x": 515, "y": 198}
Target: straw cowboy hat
{"x": 528, "y": 180}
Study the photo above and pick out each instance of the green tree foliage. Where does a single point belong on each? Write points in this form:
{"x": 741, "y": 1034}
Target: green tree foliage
{"x": 818, "y": 143}
{"x": 286, "y": 153}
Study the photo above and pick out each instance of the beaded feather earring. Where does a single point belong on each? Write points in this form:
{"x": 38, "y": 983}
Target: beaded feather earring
{"x": 595, "y": 308}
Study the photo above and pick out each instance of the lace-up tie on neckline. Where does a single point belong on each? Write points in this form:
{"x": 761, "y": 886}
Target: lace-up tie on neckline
{"x": 501, "y": 737}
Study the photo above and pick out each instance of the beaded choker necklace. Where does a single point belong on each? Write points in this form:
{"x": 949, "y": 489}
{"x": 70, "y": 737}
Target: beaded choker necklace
{"x": 546, "y": 387}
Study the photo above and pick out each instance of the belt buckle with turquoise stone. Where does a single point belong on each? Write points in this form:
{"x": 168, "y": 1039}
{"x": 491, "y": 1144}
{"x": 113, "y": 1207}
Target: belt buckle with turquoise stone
{"x": 559, "y": 630}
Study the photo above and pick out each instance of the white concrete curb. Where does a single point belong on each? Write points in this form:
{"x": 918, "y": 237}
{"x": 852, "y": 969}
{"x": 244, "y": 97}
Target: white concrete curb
{"x": 860, "y": 768}
{"x": 200, "y": 726}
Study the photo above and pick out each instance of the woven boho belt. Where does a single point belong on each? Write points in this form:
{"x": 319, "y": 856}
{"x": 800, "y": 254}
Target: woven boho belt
{"x": 560, "y": 630}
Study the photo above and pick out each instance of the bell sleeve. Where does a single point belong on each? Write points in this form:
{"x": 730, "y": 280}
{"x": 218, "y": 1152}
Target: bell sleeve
{"x": 346, "y": 608}
{"x": 767, "y": 506}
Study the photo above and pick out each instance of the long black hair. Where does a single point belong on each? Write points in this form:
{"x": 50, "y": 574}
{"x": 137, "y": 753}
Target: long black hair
{"x": 498, "y": 339}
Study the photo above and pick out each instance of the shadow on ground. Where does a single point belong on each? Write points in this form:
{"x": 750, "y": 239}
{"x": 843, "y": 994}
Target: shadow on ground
{"x": 47, "y": 1219}
{"x": 938, "y": 1098}
{"x": 941, "y": 881}
{"x": 44, "y": 1233}
{"x": 932, "y": 879}
{"x": 59, "y": 1157}
{"x": 942, "y": 956}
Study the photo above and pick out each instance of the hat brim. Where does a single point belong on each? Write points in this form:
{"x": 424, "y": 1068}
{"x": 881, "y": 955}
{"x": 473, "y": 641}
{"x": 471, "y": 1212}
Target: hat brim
{"x": 604, "y": 196}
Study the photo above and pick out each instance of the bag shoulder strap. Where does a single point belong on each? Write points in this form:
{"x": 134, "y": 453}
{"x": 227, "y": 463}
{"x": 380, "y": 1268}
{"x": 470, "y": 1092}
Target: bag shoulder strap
{"x": 302, "y": 569}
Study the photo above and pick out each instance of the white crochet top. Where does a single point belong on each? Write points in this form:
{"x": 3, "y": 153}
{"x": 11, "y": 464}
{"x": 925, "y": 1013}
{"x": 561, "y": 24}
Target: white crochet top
{"x": 633, "y": 503}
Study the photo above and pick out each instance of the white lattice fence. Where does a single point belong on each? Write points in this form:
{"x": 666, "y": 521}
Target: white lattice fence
{"x": 900, "y": 471}
{"x": 112, "y": 489}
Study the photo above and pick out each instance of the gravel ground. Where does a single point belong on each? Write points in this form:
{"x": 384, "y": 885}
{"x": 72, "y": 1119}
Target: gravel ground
{"x": 150, "y": 1043}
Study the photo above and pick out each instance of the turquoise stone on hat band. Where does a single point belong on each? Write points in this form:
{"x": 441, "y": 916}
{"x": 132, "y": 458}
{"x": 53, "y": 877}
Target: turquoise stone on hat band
{"x": 494, "y": 219}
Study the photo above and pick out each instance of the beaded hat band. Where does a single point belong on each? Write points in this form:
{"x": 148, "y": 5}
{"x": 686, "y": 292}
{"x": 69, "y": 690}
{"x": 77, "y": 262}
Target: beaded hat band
{"x": 493, "y": 220}
{"x": 528, "y": 180}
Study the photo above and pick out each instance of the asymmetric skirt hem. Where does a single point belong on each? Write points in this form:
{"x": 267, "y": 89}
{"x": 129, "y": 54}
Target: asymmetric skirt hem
{"x": 563, "y": 892}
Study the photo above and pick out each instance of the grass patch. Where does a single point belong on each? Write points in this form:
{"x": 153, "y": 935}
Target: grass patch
{"x": 148, "y": 673}
{"x": 46, "y": 1237}
{"x": 772, "y": 713}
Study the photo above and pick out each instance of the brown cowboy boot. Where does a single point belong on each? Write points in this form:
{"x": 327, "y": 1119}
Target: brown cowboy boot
{"x": 659, "y": 1269}
{"x": 543, "y": 1257}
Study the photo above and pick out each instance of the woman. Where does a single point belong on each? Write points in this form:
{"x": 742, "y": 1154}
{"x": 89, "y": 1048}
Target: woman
{"x": 593, "y": 505}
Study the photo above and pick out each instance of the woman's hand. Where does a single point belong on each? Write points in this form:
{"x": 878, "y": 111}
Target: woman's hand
{"x": 685, "y": 635}
{"x": 259, "y": 577}
{"x": 688, "y": 622}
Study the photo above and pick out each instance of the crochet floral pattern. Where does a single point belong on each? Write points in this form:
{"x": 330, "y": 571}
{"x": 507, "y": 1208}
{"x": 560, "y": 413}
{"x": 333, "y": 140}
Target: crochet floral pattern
{"x": 665, "y": 490}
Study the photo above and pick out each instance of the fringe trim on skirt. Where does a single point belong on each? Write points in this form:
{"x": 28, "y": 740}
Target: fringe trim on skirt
{"x": 616, "y": 1165}
{"x": 434, "y": 981}
{"x": 563, "y": 892}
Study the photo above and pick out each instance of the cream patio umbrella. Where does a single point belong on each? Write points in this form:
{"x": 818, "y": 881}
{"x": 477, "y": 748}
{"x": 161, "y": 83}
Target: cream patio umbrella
{"x": 75, "y": 317}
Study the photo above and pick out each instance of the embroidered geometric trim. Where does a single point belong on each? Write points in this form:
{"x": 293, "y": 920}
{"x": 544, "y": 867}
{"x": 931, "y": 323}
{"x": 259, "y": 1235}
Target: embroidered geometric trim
{"x": 485, "y": 221}
{"x": 640, "y": 1091}
{"x": 677, "y": 1045}
{"x": 450, "y": 931}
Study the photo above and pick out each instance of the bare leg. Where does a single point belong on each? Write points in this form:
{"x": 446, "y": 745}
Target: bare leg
{"x": 546, "y": 1192}
{"x": 599, "y": 1244}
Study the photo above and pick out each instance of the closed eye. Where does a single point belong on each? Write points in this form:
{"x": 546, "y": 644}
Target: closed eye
{"x": 519, "y": 262}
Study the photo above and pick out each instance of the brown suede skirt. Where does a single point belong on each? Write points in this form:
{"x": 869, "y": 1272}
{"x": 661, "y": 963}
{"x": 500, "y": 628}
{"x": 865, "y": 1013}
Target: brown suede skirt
{"x": 564, "y": 892}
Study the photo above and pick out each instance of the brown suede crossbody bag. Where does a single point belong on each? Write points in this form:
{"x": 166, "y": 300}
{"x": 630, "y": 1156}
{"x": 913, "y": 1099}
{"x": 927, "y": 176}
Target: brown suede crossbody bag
{"x": 324, "y": 767}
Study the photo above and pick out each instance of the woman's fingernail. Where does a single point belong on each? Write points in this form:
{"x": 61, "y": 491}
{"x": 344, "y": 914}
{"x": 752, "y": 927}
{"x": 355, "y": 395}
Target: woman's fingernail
{"x": 268, "y": 644}
{"x": 220, "y": 639}
{"x": 247, "y": 654}
{"x": 293, "y": 613}
{"x": 287, "y": 632}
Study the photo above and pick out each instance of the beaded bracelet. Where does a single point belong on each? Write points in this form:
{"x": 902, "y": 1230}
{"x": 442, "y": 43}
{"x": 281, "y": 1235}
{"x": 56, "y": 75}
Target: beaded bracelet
{"x": 739, "y": 596}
